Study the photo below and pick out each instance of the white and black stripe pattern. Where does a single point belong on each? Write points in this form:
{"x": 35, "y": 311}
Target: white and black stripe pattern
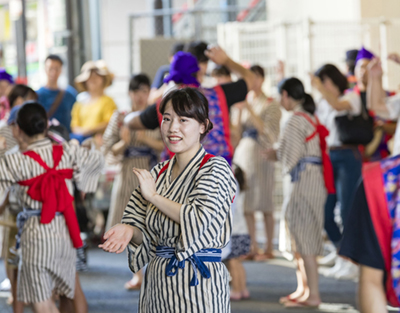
{"x": 125, "y": 182}
{"x": 206, "y": 222}
{"x": 10, "y": 142}
{"x": 260, "y": 173}
{"x": 87, "y": 166}
{"x": 304, "y": 210}
{"x": 47, "y": 255}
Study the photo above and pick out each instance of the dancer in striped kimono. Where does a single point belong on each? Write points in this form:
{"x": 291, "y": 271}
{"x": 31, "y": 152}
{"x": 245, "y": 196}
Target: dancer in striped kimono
{"x": 48, "y": 228}
{"x": 179, "y": 218}
{"x": 303, "y": 154}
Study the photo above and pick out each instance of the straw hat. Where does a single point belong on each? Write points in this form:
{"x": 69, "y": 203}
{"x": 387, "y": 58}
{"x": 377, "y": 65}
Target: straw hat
{"x": 99, "y": 67}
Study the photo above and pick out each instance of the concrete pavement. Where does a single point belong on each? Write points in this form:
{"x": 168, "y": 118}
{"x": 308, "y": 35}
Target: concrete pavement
{"x": 103, "y": 286}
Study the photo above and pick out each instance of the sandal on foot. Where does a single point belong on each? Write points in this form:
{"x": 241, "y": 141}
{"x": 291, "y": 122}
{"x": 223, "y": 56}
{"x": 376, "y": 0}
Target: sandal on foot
{"x": 132, "y": 286}
{"x": 294, "y": 304}
{"x": 264, "y": 256}
{"x": 245, "y": 295}
{"x": 236, "y": 296}
{"x": 283, "y": 300}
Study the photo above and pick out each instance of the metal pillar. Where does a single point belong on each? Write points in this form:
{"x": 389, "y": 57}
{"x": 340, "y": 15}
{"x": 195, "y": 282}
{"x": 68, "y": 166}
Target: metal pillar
{"x": 158, "y": 20}
{"x": 20, "y": 32}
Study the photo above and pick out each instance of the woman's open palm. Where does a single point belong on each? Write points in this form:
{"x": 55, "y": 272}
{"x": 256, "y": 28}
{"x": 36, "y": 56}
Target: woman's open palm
{"x": 117, "y": 238}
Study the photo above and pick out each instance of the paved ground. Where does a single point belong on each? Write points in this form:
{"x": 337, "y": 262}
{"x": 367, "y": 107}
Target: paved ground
{"x": 103, "y": 286}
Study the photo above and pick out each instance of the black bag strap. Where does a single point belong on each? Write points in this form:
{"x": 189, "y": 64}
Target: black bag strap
{"x": 56, "y": 103}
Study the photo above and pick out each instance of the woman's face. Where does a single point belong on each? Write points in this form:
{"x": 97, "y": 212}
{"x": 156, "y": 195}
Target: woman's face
{"x": 95, "y": 82}
{"x": 259, "y": 81}
{"x": 285, "y": 101}
{"x": 330, "y": 86}
{"x": 139, "y": 97}
{"x": 180, "y": 134}
{"x": 4, "y": 87}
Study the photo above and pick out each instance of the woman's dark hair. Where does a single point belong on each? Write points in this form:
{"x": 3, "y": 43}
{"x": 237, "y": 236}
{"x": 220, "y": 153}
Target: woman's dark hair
{"x": 257, "y": 69}
{"x": 295, "y": 90}
{"x": 197, "y": 48}
{"x": 22, "y": 91}
{"x": 138, "y": 80}
{"x": 220, "y": 70}
{"x": 336, "y": 76}
{"x": 240, "y": 177}
{"x": 32, "y": 118}
{"x": 189, "y": 102}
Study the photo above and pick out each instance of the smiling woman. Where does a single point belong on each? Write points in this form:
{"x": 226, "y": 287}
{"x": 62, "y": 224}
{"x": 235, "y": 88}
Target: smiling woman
{"x": 181, "y": 212}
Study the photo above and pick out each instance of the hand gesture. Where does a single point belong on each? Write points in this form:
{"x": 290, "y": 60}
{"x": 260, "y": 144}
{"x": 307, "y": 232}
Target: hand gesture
{"x": 241, "y": 105}
{"x": 117, "y": 238}
{"x": 125, "y": 134}
{"x": 280, "y": 70}
{"x": 375, "y": 68}
{"x": 146, "y": 182}
{"x": 217, "y": 55}
{"x": 394, "y": 57}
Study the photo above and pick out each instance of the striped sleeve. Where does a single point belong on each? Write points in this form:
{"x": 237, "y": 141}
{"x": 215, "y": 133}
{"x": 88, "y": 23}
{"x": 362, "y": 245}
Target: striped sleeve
{"x": 7, "y": 140}
{"x": 111, "y": 134}
{"x": 8, "y": 176}
{"x": 87, "y": 165}
{"x": 271, "y": 118}
{"x": 203, "y": 217}
{"x": 292, "y": 145}
{"x": 135, "y": 215}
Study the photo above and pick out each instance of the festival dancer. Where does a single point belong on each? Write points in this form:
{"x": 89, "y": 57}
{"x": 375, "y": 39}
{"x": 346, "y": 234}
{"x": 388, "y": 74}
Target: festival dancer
{"x": 179, "y": 219}
{"x": 302, "y": 152}
{"x": 48, "y": 228}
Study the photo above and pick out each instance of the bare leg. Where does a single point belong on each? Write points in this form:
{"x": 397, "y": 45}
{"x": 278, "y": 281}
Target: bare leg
{"x": 66, "y": 305}
{"x": 269, "y": 231}
{"x": 47, "y": 306}
{"x": 236, "y": 293}
{"x": 371, "y": 293}
{"x": 302, "y": 286}
{"x": 251, "y": 225}
{"x": 18, "y": 307}
{"x": 243, "y": 280}
{"x": 312, "y": 295}
{"x": 80, "y": 303}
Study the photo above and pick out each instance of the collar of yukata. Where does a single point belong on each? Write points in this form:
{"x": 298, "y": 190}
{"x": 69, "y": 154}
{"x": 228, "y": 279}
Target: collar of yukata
{"x": 39, "y": 143}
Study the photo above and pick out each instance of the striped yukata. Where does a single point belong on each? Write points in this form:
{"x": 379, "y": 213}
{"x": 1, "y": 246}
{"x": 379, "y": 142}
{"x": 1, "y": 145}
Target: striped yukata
{"x": 260, "y": 173}
{"x": 10, "y": 142}
{"x": 125, "y": 181}
{"x": 304, "y": 206}
{"x": 206, "y": 222}
{"x": 47, "y": 255}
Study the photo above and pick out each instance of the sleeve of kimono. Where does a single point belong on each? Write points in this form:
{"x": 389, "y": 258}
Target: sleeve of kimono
{"x": 204, "y": 216}
{"x": 8, "y": 176}
{"x": 135, "y": 215}
{"x": 292, "y": 144}
{"x": 111, "y": 134}
{"x": 87, "y": 165}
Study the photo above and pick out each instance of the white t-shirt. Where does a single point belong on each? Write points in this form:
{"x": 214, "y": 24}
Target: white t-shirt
{"x": 327, "y": 115}
{"x": 393, "y": 107}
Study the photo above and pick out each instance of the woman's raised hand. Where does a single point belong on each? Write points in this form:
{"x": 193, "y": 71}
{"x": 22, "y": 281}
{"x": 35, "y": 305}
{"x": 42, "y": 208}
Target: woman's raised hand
{"x": 375, "y": 68}
{"x": 117, "y": 238}
{"x": 146, "y": 183}
{"x": 395, "y": 57}
{"x": 217, "y": 55}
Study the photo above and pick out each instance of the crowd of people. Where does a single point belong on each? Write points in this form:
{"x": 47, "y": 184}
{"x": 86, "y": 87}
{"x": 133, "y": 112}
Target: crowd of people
{"x": 194, "y": 164}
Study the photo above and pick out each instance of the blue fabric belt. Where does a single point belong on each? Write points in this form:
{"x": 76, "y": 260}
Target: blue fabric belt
{"x": 301, "y": 166}
{"x": 22, "y": 217}
{"x": 250, "y": 132}
{"x": 197, "y": 260}
{"x": 136, "y": 152}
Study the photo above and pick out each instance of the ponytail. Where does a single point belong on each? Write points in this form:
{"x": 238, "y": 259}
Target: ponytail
{"x": 295, "y": 90}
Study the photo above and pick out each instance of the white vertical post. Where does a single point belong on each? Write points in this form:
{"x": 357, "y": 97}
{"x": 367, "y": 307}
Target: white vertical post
{"x": 308, "y": 53}
{"x": 384, "y": 52}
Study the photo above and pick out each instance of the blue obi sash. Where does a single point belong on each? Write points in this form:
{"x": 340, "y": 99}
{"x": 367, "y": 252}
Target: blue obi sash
{"x": 22, "y": 217}
{"x": 301, "y": 166}
{"x": 197, "y": 260}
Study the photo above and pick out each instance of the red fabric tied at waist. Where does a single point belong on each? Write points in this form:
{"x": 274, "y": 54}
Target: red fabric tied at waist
{"x": 322, "y": 132}
{"x": 51, "y": 189}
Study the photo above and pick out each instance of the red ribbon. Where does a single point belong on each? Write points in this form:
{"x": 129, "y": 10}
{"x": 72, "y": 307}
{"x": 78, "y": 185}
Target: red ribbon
{"x": 326, "y": 161}
{"x": 51, "y": 189}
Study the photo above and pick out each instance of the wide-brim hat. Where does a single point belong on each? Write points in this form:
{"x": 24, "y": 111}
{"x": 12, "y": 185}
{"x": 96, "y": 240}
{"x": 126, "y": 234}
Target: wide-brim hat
{"x": 100, "y": 67}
